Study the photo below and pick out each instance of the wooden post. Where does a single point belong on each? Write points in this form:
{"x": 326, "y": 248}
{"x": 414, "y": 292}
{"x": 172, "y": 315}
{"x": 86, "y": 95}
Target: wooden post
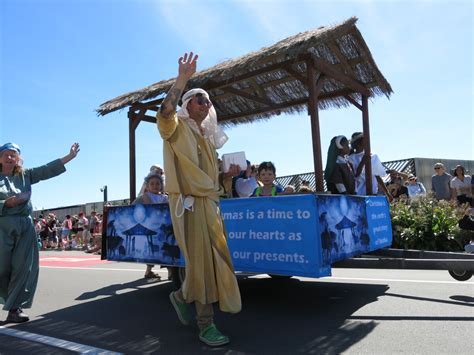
{"x": 365, "y": 125}
{"x": 314, "y": 89}
{"x": 133, "y": 122}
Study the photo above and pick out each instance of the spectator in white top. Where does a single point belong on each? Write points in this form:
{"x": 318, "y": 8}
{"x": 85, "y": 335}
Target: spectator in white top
{"x": 358, "y": 164}
{"x": 461, "y": 186}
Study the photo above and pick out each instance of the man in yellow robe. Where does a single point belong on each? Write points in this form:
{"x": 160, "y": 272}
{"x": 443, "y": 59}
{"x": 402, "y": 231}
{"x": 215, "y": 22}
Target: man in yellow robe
{"x": 190, "y": 138}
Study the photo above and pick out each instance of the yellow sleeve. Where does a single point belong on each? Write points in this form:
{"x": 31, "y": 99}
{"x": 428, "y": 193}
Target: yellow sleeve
{"x": 166, "y": 126}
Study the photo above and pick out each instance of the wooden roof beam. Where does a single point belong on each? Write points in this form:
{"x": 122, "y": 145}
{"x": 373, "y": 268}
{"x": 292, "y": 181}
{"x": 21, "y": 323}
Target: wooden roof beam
{"x": 328, "y": 69}
{"x": 214, "y": 84}
{"x": 343, "y": 93}
{"x": 135, "y": 118}
{"x": 341, "y": 58}
{"x": 263, "y": 110}
{"x": 320, "y": 78}
{"x": 246, "y": 95}
{"x": 366, "y": 57}
{"x": 354, "y": 102}
{"x": 277, "y": 82}
{"x": 140, "y": 116}
{"x": 280, "y": 81}
{"x": 258, "y": 89}
{"x": 285, "y": 105}
{"x": 264, "y": 85}
{"x": 295, "y": 74}
{"x": 147, "y": 118}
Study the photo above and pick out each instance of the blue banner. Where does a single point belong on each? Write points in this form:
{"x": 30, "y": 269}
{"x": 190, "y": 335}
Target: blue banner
{"x": 379, "y": 222}
{"x": 274, "y": 235}
{"x": 142, "y": 233}
{"x": 297, "y": 235}
{"x": 352, "y": 225}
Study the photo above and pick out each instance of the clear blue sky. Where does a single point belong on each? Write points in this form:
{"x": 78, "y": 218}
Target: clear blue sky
{"x": 60, "y": 59}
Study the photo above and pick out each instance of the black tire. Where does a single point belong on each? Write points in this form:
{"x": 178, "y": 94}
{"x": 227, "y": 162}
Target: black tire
{"x": 280, "y": 277}
{"x": 460, "y": 275}
{"x": 177, "y": 276}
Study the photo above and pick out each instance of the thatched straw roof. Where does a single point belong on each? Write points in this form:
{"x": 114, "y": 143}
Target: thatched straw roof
{"x": 274, "y": 79}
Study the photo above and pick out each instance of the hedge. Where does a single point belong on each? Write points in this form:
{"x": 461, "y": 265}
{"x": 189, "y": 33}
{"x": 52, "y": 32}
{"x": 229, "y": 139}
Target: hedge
{"x": 425, "y": 223}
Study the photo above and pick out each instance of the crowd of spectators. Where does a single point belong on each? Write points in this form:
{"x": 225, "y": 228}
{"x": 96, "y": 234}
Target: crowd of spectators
{"x": 456, "y": 187}
{"x": 75, "y": 232}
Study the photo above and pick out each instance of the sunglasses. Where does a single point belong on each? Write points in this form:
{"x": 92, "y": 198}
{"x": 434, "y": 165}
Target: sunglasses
{"x": 437, "y": 168}
{"x": 201, "y": 100}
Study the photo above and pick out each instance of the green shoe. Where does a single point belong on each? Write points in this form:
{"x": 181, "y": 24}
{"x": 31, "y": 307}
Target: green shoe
{"x": 212, "y": 336}
{"x": 182, "y": 309}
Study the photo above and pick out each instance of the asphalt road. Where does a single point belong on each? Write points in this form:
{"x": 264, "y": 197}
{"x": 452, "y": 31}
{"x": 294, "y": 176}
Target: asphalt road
{"x": 88, "y": 306}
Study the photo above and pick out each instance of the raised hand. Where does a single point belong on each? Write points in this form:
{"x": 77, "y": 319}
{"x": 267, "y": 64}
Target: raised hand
{"x": 74, "y": 150}
{"x": 72, "y": 153}
{"x": 187, "y": 65}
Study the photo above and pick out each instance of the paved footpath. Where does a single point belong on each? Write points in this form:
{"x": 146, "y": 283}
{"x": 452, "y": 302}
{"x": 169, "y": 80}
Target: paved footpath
{"x": 87, "y": 305}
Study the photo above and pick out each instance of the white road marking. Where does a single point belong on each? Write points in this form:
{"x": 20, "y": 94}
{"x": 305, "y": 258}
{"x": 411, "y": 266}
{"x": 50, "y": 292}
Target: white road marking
{"x": 395, "y": 280}
{"x": 95, "y": 269}
{"x": 58, "y": 343}
{"x": 68, "y": 260}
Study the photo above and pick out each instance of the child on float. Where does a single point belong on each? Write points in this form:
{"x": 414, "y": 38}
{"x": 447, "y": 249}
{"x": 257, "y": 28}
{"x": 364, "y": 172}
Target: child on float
{"x": 289, "y": 189}
{"x": 266, "y": 174}
{"x": 152, "y": 193}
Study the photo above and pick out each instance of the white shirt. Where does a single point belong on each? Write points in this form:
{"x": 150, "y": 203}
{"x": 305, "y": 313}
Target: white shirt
{"x": 377, "y": 170}
{"x": 461, "y": 187}
{"x": 157, "y": 198}
{"x": 246, "y": 187}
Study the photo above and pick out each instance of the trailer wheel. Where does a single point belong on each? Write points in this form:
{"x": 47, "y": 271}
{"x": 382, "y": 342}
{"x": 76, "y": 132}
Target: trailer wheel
{"x": 280, "y": 277}
{"x": 460, "y": 275}
{"x": 177, "y": 275}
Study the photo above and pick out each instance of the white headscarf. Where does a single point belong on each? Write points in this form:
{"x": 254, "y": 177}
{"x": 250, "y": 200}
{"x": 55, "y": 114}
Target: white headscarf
{"x": 338, "y": 141}
{"x": 211, "y": 129}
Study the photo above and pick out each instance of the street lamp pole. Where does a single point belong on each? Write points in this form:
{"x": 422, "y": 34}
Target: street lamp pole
{"x": 104, "y": 190}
